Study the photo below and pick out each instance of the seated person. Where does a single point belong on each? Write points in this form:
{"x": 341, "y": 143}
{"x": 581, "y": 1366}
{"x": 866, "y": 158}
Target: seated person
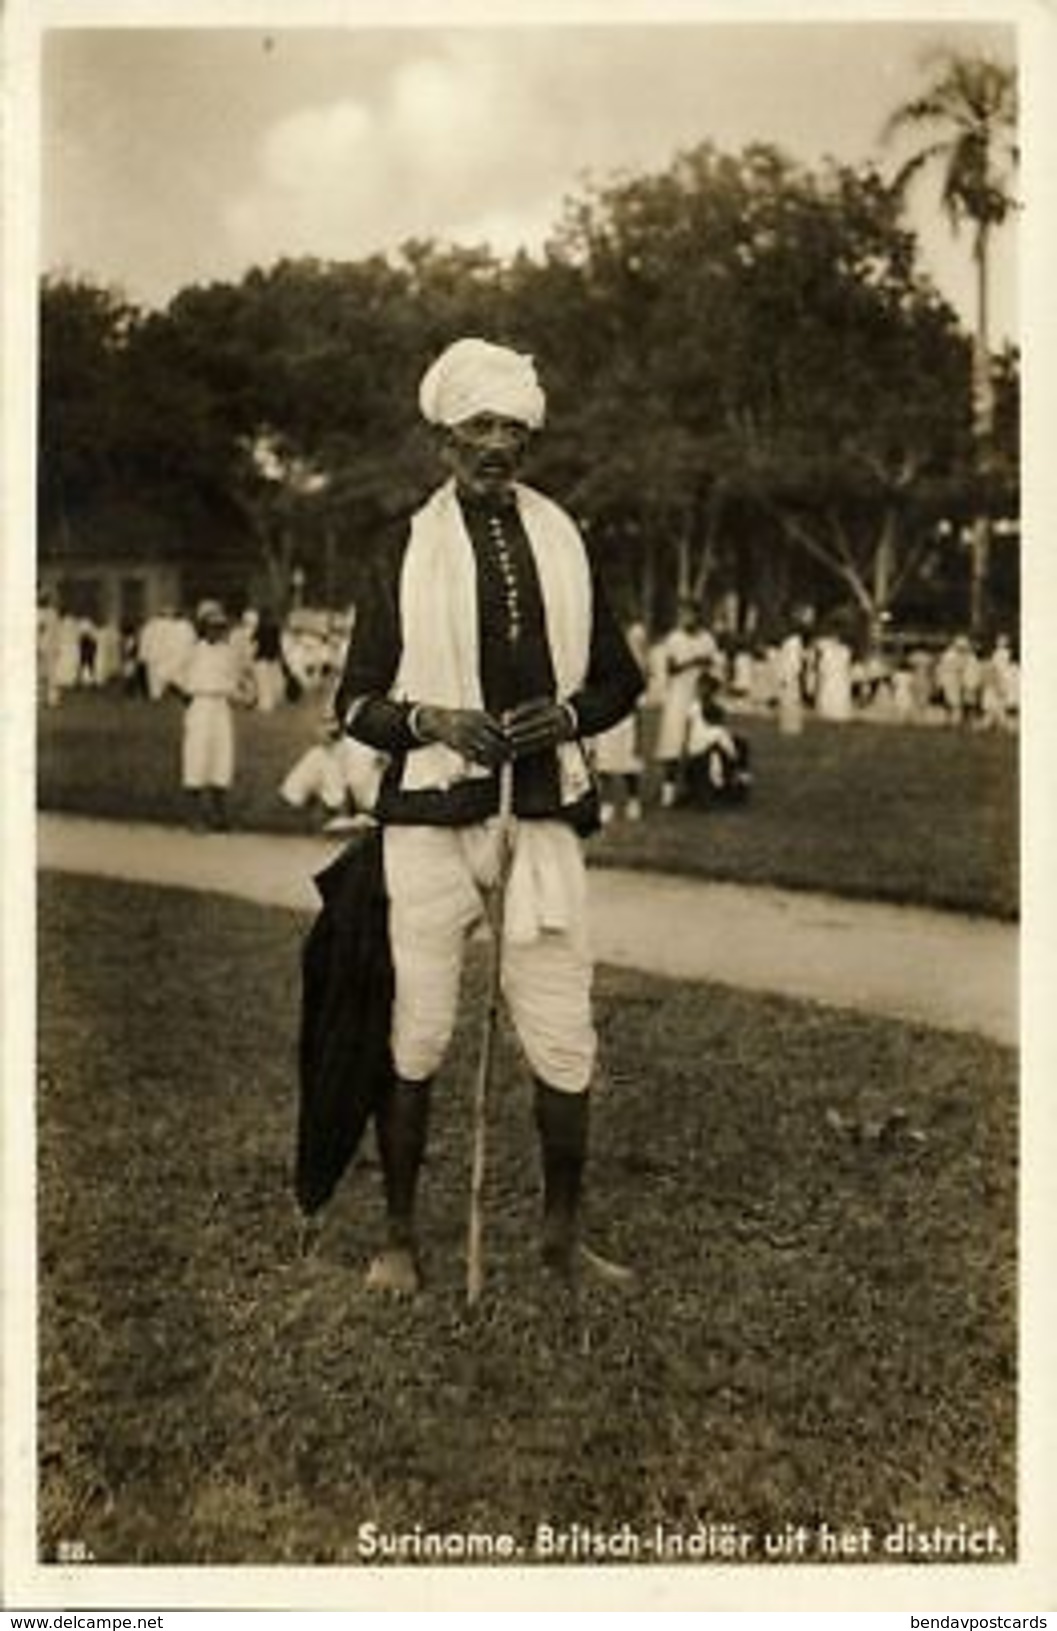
{"x": 716, "y": 769}
{"x": 340, "y": 774}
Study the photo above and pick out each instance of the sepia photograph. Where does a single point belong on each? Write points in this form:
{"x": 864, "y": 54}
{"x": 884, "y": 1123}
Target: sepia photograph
{"x": 516, "y": 580}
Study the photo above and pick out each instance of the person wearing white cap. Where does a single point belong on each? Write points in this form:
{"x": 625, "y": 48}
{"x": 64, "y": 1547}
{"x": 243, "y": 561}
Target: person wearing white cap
{"x": 209, "y": 680}
{"x": 487, "y": 639}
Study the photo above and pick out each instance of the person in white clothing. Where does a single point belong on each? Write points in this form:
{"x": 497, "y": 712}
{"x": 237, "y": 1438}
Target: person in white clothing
{"x": 689, "y": 650}
{"x": 68, "y": 659}
{"x": 951, "y": 668}
{"x": 210, "y": 680}
{"x": 151, "y": 652}
{"x": 338, "y": 773}
{"x": 833, "y": 694}
{"x": 616, "y": 753}
{"x": 998, "y": 687}
{"x": 790, "y": 675}
{"x": 49, "y": 691}
{"x": 165, "y": 642}
{"x": 108, "y": 653}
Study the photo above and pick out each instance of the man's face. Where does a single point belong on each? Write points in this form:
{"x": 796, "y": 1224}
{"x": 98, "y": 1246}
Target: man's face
{"x": 486, "y": 453}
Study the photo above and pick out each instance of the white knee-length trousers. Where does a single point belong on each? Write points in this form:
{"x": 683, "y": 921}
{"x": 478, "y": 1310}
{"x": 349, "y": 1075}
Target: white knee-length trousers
{"x": 435, "y": 878}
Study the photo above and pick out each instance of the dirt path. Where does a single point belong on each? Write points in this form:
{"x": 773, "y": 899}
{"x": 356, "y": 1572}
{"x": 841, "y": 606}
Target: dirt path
{"x": 938, "y": 968}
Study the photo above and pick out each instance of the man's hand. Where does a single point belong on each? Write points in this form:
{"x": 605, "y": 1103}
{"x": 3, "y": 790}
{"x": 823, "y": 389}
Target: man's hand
{"x": 469, "y": 731}
{"x": 534, "y": 726}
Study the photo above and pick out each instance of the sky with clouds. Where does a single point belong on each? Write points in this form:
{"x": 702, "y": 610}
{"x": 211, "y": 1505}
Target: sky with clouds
{"x": 173, "y": 156}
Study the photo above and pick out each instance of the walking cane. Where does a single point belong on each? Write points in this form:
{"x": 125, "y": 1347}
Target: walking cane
{"x": 475, "y": 1245}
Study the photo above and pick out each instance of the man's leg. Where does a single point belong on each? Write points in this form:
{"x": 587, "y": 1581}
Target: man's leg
{"x": 402, "y": 1127}
{"x": 221, "y": 762}
{"x": 432, "y": 903}
{"x": 197, "y": 814}
{"x": 562, "y": 1121}
{"x": 195, "y": 767}
{"x": 219, "y": 819}
{"x": 547, "y": 984}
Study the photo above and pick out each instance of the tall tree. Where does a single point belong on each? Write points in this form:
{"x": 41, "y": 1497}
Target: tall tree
{"x": 739, "y": 353}
{"x": 84, "y": 333}
{"x": 971, "y": 107}
{"x": 755, "y": 337}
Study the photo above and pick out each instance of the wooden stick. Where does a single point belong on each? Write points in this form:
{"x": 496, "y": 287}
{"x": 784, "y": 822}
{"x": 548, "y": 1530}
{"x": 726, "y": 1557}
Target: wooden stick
{"x": 475, "y": 1243}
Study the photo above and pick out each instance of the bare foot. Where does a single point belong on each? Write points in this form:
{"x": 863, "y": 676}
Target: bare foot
{"x": 394, "y": 1270}
{"x": 605, "y": 1269}
{"x": 569, "y": 1260}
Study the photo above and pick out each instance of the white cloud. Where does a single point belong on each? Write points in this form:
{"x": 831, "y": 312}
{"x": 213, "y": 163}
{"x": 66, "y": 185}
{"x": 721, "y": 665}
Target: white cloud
{"x": 457, "y": 146}
{"x": 453, "y": 103}
{"x": 186, "y": 155}
{"x": 329, "y": 139}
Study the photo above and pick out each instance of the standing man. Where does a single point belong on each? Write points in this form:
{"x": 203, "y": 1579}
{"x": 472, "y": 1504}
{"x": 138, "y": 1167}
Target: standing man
{"x": 487, "y": 639}
{"x": 789, "y": 669}
{"x": 689, "y": 651}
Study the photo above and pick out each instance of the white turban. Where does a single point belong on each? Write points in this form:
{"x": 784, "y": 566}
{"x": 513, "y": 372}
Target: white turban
{"x": 474, "y": 376}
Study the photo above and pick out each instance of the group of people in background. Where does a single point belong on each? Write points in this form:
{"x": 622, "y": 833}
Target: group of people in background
{"x": 917, "y": 683}
{"x": 700, "y": 759}
{"x": 695, "y": 687}
{"x": 289, "y": 657}
{"x": 73, "y": 651}
{"x": 698, "y": 685}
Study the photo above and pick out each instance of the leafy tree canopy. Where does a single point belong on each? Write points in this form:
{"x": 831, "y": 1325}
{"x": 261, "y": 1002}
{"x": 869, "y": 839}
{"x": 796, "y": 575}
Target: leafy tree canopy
{"x": 733, "y": 342}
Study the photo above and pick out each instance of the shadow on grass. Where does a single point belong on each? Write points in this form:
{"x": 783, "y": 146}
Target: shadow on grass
{"x": 820, "y": 1206}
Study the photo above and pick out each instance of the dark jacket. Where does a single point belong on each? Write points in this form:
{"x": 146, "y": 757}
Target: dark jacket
{"x": 512, "y": 671}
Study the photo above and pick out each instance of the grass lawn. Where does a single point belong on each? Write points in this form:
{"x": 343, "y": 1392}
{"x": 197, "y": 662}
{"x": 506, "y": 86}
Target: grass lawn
{"x": 927, "y": 816}
{"x": 825, "y": 1330}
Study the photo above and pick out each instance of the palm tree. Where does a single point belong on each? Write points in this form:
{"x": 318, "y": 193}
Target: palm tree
{"x": 972, "y": 104}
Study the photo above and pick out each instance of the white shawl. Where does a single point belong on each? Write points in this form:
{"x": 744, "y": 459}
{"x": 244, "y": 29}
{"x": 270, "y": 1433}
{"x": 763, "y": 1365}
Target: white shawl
{"x": 439, "y": 625}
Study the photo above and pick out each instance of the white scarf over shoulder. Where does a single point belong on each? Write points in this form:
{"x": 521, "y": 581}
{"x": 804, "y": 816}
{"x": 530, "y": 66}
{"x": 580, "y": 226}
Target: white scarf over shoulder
{"x": 440, "y": 663}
